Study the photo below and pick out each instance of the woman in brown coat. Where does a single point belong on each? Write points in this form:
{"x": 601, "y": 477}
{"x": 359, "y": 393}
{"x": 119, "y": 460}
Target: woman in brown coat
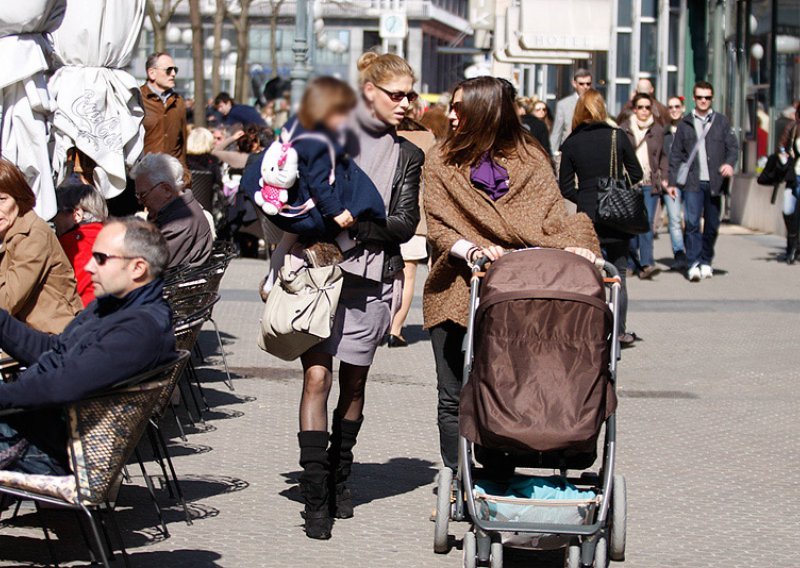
{"x": 488, "y": 188}
{"x": 37, "y": 283}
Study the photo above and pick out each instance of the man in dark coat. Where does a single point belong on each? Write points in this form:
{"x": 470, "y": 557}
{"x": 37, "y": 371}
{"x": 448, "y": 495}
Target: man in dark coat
{"x": 233, "y": 113}
{"x": 711, "y": 168}
{"x": 176, "y": 213}
{"x": 127, "y": 330}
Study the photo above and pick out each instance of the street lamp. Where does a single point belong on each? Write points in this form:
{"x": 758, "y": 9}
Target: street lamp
{"x": 299, "y": 74}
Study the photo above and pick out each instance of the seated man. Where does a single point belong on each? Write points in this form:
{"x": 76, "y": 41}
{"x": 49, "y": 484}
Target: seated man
{"x": 127, "y": 330}
{"x": 159, "y": 184}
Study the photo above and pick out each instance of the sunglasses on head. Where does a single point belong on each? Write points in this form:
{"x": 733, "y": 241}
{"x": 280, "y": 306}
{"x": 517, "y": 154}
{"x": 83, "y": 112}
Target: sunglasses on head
{"x": 703, "y": 98}
{"x": 101, "y": 258}
{"x": 398, "y": 96}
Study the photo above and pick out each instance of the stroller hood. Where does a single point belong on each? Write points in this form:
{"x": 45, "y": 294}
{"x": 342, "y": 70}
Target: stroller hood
{"x": 540, "y": 377}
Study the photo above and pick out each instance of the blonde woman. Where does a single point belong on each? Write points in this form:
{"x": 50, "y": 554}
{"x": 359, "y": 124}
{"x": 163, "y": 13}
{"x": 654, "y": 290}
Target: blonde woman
{"x": 373, "y": 269}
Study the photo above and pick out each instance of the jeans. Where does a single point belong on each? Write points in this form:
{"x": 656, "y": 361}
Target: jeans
{"x": 617, "y": 254}
{"x": 17, "y": 454}
{"x": 447, "y": 340}
{"x": 673, "y": 207}
{"x": 642, "y": 245}
{"x": 700, "y": 247}
{"x": 790, "y": 196}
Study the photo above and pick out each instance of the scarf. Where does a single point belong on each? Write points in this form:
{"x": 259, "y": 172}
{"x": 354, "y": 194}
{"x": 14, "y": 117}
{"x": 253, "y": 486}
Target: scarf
{"x": 640, "y": 130}
{"x": 491, "y": 177}
{"x": 375, "y": 147}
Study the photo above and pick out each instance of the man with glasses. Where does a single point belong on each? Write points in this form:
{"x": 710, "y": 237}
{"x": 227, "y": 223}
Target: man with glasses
{"x": 127, "y": 330}
{"x": 565, "y": 108}
{"x": 164, "y": 111}
{"x": 701, "y": 162}
{"x": 175, "y": 212}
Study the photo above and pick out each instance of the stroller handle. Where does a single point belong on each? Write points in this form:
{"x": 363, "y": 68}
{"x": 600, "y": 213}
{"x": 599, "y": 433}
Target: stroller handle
{"x": 602, "y": 264}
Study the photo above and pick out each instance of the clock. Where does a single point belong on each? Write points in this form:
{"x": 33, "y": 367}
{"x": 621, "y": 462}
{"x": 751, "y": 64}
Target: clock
{"x": 393, "y": 25}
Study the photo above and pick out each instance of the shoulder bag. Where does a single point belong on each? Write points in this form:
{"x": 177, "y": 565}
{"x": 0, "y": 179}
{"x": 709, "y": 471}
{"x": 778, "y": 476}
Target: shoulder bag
{"x": 619, "y": 204}
{"x": 300, "y": 310}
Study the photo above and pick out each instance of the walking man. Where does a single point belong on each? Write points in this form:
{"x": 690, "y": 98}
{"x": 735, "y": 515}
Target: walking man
{"x": 164, "y": 111}
{"x": 565, "y": 108}
{"x": 703, "y": 155}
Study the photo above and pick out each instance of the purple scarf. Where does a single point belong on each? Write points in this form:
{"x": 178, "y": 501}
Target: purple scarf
{"x": 490, "y": 177}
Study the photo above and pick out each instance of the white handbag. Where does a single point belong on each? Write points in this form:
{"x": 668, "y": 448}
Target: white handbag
{"x": 300, "y": 310}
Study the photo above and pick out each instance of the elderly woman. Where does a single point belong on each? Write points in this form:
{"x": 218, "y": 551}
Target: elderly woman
{"x": 373, "y": 268}
{"x": 81, "y": 214}
{"x": 488, "y": 188}
{"x": 37, "y": 284}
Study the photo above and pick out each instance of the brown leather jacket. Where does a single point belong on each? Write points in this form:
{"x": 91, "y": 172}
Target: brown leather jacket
{"x": 37, "y": 283}
{"x": 165, "y": 126}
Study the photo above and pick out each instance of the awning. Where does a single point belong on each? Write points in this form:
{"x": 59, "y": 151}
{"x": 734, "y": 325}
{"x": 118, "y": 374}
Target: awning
{"x": 97, "y": 101}
{"x": 26, "y": 103}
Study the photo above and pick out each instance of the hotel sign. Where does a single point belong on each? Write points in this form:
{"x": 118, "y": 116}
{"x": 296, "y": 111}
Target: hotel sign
{"x": 570, "y": 25}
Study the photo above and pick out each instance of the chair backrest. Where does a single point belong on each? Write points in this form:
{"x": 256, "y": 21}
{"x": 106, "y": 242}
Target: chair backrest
{"x": 206, "y": 278}
{"x": 193, "y": 306}
{"x": 203, "y": 188}
{"x": 105, "y": 428}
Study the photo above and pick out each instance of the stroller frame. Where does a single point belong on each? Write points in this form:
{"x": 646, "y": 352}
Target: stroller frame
{"x": 485, "y": 542}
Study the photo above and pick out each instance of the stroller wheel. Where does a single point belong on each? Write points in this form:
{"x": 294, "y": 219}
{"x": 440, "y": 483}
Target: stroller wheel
{"x": 441, "y": 538}
{"x": 470, "y": 550}
{"x": 601, "y": 553}
{"x": 496, "y": 559}
{"x": 619, "y": 516}
{"x": 573, "y": 556}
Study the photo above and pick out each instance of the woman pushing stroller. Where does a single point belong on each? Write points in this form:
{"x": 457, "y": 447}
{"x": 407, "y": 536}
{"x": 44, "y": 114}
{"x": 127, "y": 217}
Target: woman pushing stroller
{"x": 488, "y": 188}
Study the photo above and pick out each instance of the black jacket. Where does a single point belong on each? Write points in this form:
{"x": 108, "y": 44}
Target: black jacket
{"x": 586, "y": 154}
{"x": 110, "y": 341}
{"x": 721, "y": 148}
{"x": 402, "y": 216}
{"x": 538, "y": 130}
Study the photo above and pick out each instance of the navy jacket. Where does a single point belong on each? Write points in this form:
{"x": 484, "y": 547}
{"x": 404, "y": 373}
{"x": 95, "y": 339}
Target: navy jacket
{"x": 110, "y": 341}
{"x": 721, "y": 148}
{"x": 352, "y": 190}
{"x": 244, "y": 115}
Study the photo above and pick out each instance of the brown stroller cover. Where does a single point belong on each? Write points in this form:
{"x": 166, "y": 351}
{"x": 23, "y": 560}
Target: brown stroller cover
{"x": 540, "y": 377}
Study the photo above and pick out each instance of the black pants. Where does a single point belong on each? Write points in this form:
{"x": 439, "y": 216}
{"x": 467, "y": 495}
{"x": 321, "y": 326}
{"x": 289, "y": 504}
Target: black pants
{"x": 447, "y": 340}
{"x": 617, "y": 253}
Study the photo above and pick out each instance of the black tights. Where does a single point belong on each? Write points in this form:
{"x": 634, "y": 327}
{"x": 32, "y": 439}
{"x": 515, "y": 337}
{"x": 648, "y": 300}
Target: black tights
{"x": 317, "y": 383}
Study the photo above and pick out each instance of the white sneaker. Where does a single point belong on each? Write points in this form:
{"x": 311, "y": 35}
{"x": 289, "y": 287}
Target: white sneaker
{"x": 694, "y": 274}
{"x": 706, "y": 271}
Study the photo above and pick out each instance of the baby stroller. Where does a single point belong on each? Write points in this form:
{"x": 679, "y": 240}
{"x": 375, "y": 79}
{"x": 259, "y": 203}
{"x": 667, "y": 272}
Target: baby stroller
{"x": 539, "y": 379}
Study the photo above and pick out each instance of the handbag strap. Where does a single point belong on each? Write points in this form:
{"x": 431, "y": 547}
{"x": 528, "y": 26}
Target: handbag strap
{"x": 700, "y": 139}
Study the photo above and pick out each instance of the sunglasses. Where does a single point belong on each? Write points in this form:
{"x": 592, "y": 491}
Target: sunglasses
{"x": 643, "y": 107}
{"x": 540, "y": 109}
{"x": 456, "y": 108}
{"x": 702, "y": 98}
{"x": 675, "y": 107}
{"x": 168, "y": 70}
{"x": 398, "y": 96}
{"x": 101, "y": 258}
{"x": 583, "y": 84}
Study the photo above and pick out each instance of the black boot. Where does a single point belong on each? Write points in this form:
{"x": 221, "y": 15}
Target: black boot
{"x": 314, "y": 483}
{"x": 343, "y": 439}
{"x": 791, "y": 222}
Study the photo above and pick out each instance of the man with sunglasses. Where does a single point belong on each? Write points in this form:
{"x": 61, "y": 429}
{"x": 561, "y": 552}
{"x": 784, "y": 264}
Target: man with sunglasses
{"x": 704, "y": 152}
{"x": 127, "y": 330}
{"x": 565, "y": 109}
{"x": 164, "y": 111}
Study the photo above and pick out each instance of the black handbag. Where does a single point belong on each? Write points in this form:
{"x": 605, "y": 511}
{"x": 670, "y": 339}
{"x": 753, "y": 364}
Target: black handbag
{"x": 775, "y": 172}
{"x": 620, "y": 206}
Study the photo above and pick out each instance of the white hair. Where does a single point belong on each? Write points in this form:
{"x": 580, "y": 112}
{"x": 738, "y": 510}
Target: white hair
{"x": 159, "y": 168}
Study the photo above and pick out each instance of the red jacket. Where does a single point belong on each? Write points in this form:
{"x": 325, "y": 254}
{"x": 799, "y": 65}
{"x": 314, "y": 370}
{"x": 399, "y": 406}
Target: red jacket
{"x": 78, "y": 245}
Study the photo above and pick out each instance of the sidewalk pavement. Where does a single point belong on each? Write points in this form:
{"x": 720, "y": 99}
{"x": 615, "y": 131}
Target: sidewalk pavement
{"x": 708, "y": 439}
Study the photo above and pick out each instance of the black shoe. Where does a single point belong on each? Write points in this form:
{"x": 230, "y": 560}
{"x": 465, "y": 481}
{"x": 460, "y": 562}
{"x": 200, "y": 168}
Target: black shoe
{"x": 319, "y": 524}
{"x": 791, "y": 251}
{"x": 648, "y": 272}
{"x": 343, "y": 439}
{"x": 681, "y": 263}
{"x": 627, "y": 339}
{"x": 314, "y": 483}
{"x": 396, "y": 341}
